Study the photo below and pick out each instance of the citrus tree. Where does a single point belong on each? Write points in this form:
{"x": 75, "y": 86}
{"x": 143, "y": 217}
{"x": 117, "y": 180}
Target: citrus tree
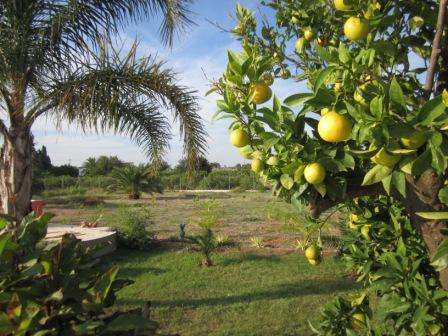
{"x": 365, "y": 130}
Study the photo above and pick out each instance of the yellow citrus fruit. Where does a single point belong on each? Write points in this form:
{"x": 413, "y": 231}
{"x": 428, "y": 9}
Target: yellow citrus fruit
{"x": 257, "y": 166}
{"x": 300, "y": 45}
{"x": 358, "y": 320}
{"x": 365, "y": 231}
{"x": 312, "y": 252}
{"x": 324, "y": 111}
{"x": 257, "y": 154}
{"x": 268, "y": 79}
{"x": 416, "y": 22}
{"x": 356, "y": 28}
{"x": 285, "y": 73}
{"x": 314, "y": 262}
{"x": 272, "y": 161}
{"x": 262, "y": 93}
{"x": 314, "y": 173}
{"x": 414, "y": 141}
{"x": 333, "y": 127}
{"x": 309, "y": 34}
{"x": 321, "y": 41}
{"x": 382, "y": 157}
{"x": 239, "y": 138}
{"x": 337, "y": 87}
{"x": 340, "y": 5}
{"x": 246, "y": 152}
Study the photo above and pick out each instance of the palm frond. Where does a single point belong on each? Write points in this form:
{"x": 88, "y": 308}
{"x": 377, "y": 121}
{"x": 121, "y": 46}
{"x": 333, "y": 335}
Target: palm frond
{"x": 128, "y": 95}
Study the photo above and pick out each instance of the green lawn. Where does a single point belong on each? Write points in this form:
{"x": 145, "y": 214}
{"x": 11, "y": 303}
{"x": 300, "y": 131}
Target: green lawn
{"x": 245, "y": 293}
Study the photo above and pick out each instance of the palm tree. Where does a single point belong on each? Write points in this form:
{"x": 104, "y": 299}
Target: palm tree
{"x": 57, "y": 61}
{"x": 135, "y": 179}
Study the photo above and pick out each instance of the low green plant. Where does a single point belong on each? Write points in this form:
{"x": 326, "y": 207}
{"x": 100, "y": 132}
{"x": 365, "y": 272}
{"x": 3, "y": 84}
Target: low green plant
{"x": 222, "y": 239}
{"x": 182, "y": 231}
{"x": 257, "y": 242}
{"x": 132, "y": 227}
{"x": 57, "y": 288}
{"x": 206, "y": 219}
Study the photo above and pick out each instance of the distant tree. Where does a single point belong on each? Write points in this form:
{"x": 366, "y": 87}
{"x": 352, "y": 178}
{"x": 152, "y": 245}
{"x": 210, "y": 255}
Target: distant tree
{"x": 41, "y": 160}
{"x": 66, "y": 169}
{"x": 134, "y": 180}
{"x": 102, "y": 165}
{"x": 202, "y": 164}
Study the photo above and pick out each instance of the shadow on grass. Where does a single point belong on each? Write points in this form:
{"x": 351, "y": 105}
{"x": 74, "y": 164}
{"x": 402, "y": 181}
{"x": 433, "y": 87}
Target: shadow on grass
{"x": 289, "y": 290}
{"x": 248, "y": 257}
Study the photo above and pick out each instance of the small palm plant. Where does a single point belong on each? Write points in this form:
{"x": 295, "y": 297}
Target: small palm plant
{"x": 134, "y": 180}
{"x": 207, "y": 219}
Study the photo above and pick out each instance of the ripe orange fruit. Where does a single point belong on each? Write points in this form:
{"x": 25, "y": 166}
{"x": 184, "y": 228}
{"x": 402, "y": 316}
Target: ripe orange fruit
{"x": 262, "y": 93}
{"x": 309, "y": 34}
{"x": 257, "y": 166}
{"x": 314, "y": 173}
{"x": 312, "y": 252}
{"x": 340, "y": 5}
{"x": 356, "y": 28}
{"x": 314, "y": 262}
{"x": 239, "y": 138}
{"x": 334, "y": 127}
{"x": 414, "y": 141}
{"x": 268, "y": 79}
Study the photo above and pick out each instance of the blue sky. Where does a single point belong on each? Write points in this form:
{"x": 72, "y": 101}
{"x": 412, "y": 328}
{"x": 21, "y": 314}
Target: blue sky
{"x": 201, "y": 50}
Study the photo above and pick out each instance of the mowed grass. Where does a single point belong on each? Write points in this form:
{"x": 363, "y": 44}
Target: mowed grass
{"x": 244, "y": 293}
{"x": 249, "y": 291}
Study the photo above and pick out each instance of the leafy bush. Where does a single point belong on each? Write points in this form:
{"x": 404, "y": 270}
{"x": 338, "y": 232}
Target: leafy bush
{"x": 54, "y": 288}
{"x": 390, "y": 259}
{"x": 207, "y": 218}
{"x": 132, "y": 225}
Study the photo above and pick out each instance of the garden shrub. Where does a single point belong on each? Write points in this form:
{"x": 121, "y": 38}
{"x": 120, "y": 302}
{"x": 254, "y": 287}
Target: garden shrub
{"x": 132, "y": 227}
{"x": 57, "y": 288}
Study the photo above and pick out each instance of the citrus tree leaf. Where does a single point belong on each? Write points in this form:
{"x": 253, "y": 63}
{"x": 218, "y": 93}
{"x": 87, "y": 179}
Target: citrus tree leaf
{"x": 439, "y": 215}
{"x": 443, "y": 195}
{"x": 298, "y": 99}
{"x": 376, "y": 174}
{"x": 431, "y": 110}
{"x": 287, "y": 181}
{"x": 440, "y": 258}
{"x": 396, "y": 94}
{"x": 322, "y": 77}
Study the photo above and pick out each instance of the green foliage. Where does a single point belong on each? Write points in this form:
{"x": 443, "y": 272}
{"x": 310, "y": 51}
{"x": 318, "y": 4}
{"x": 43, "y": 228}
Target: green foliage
{"x": 207, "y": 213}
{"x": 102, "y": 165}
{"x": 392, "y": 263}
{"x": 53, "y": 288}
{"x": 397, "y": 133}
{"x": 133, "y": 225}
{"x": 134, "y": 180}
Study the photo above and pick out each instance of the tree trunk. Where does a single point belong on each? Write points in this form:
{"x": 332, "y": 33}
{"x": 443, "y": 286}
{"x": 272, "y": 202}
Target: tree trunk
{"x": 16, "y": 174}
{"x": 422, "y": 196}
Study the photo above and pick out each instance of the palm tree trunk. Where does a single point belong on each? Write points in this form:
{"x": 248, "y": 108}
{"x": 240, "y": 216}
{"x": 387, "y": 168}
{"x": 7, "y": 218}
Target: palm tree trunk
{"x": 16, "y": 174}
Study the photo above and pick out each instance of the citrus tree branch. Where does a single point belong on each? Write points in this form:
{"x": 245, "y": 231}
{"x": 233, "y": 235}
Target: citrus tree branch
{"x": 320, "y": 205}
{"x": 436, "y": 49}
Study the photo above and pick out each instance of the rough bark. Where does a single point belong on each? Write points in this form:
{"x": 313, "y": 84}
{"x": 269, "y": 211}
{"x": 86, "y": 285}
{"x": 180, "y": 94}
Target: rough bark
{"x": 422, "y": 196}
{"x": 16, "y": 174}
